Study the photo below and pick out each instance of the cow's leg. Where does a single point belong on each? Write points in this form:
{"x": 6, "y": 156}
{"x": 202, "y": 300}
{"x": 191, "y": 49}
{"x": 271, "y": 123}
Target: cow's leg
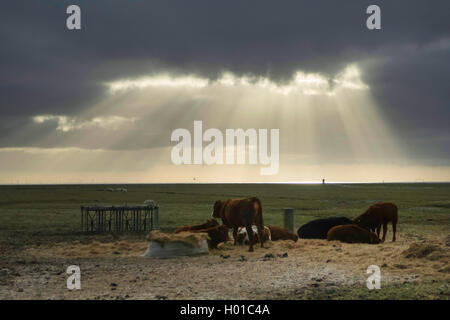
{"x": 378, "y": 231}
{"x": 260, "y": 235}
{"x": 384, "y": 231}
{"x": 235, "y": 230}
{"x": 250, "y": 236}
{"x": 394, "y": 229}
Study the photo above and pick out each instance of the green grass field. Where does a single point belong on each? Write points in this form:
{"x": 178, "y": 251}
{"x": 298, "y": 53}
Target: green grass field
{"x": 27, "y": 212}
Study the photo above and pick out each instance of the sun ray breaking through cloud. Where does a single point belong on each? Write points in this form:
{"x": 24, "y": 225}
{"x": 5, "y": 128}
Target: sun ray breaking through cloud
{"x": 326, "y": 123}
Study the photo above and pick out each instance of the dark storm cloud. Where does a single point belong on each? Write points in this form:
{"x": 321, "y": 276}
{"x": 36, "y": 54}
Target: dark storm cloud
{"x": 47, "y": 69}
{"x": 412, "y": 89}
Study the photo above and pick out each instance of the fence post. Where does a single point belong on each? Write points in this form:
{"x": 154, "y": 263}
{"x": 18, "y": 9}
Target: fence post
{"x": 289, "y": 218}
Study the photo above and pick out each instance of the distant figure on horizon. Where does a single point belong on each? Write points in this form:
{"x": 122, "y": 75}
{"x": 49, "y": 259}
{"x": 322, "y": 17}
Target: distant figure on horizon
{"x": 323, "y": 181}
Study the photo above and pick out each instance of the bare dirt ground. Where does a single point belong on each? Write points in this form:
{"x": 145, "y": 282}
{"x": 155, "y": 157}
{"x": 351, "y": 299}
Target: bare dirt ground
{"x": 307, "y": 269}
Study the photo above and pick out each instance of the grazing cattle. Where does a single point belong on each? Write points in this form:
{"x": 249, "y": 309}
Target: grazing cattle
{"x": 280, "y": 233}
{"x": 217, "y": 234}
{"x": 242, "y": 235}
{"x": 378, "y": 214}
{"x": 318, "y": 229}
{"x": 237, "y": 213}
{"x": 351, "y": 233}
{"x": 208, "y": 224}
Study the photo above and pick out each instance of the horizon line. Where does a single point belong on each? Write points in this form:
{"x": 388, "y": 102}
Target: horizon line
{"x": 204, "y": 183}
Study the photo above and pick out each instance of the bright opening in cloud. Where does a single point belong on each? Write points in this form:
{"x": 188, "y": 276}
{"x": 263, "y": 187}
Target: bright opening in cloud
{"x": 301, "y": 82}
{"x": 157, "y": 81}
{"x": 66, "y": 124}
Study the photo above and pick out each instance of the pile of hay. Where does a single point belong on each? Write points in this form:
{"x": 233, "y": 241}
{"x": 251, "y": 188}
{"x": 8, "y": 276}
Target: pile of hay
{"x": 187, "y": 238}
{"x": 431, "y": 252}
{"x": 168, "y": 245}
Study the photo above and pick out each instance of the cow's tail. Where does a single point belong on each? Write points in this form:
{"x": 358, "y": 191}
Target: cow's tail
{"x": 395, "y": 214}
{"x": 258, "y": 218}
{"x": 258, "y": 207}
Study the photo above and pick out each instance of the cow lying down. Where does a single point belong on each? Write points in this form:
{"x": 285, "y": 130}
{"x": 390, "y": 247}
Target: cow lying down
{"x": 351, "y": 233}
{"x": 318, "y": 229}
{"x": 242, "y": 235}
{"x": 280, "y": 233}
{"x": 217, "y": 233}
{"x": 272, "y": 233}
{"x": 208, "y": 224}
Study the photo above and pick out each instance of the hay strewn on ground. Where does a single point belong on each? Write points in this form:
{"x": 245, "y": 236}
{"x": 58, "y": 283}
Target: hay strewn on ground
{"x": 282, "y": 269}
{"x": 92, "y": 249}
{"x": 429, "y": 251}
{"x": 188, "y": 238}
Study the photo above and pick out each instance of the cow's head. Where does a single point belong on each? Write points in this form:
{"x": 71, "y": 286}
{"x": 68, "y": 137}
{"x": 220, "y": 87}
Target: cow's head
{"x": 217, "y": 235}
{"x": 216, "y": 209}
{"x": 240, "y": 237}
{"x": 374, "y": 238}
{"x": 363, "y": 223}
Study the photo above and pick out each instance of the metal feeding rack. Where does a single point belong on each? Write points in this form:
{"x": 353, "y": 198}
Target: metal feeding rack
{"x": 120, "y": 218}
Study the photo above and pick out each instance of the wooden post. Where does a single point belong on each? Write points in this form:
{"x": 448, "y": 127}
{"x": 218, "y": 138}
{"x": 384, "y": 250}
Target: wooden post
{"x": 289, "y": 218}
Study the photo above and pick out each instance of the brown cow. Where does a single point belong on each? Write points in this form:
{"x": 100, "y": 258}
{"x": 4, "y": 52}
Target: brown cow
{"x": 242, "y": 235}
{"x": 351, "y": 233}
{"x": 237, "y": 213}
{"x": 379, "y": 214}
{"x": 280, "y": 233}
{"x": 217, "y": 234}
{"x": 208, "y": 224}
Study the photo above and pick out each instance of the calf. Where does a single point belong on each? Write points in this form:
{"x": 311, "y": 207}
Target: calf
{"x": 351, "y": 233}
{"x": 318, "y": 229}
{"x": 217, "y": 234}
{"x": 280, "y": 233}
{"x": 242, "y": 235}
{"x": 237, "y": 213}
{"x": 378, "y": 214}
{"x": 208, "y": 224}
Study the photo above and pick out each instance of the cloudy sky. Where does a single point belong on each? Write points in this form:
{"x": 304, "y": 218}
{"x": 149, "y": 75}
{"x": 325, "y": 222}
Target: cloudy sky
{"x": 100, "y": 104}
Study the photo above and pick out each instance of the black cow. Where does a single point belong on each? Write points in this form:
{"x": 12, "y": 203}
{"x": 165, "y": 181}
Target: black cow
{"x": 318, "y": 229}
